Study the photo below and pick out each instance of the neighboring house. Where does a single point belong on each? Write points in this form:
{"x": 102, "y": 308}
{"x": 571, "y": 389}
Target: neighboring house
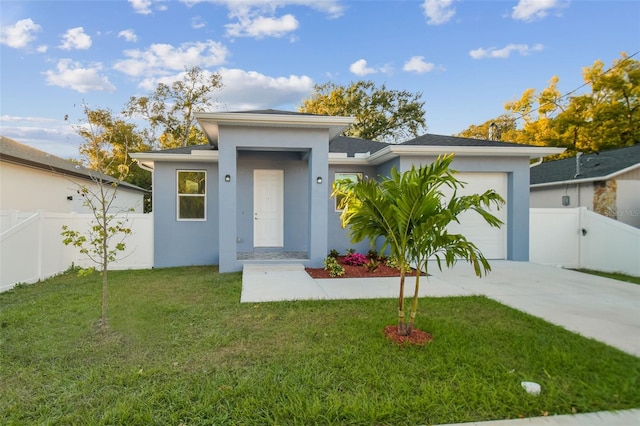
{"x": 32, "y": 180}
{"x": 261, "y": 188}
{"x": 607, "y": 183}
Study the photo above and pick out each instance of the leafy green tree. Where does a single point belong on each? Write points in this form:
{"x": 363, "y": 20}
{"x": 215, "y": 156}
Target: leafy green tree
{"x": 170, "y": 110}
{"x": 108, "y": 150}
{"x": 104, "y": 239}
{"x": 609, "y": 116}
{"x": 409, "y": 211}
{"x": 380, "y": 114}
{"x": 606, "y": 117}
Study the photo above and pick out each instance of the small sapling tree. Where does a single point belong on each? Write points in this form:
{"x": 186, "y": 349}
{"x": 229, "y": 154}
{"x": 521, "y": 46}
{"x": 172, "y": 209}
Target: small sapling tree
{"x": 104, "y": 239}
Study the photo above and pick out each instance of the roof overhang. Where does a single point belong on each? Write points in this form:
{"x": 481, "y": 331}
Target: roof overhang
{"x": 210, "y": 122}
{"x": 393, "y": 151}
{"x": 146, "y": 160}
{"x": 586, "y": 180}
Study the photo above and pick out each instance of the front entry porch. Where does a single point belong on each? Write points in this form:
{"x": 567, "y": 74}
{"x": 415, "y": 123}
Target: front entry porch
{"x": 261, "y": 255}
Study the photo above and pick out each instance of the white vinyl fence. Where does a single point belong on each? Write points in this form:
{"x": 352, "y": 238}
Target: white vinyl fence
{"x": 31, "y": 247}
{"x": 579, "y": 238}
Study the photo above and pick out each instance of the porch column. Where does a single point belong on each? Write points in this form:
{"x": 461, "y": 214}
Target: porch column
{"x": 227, "y": 206}
{"x": 318, "y": 205}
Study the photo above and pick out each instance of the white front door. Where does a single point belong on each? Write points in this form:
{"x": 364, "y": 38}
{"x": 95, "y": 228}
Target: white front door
{"x": 268, "y": 208}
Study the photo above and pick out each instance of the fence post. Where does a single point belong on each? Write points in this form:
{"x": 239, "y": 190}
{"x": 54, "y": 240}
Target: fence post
{"x": 40, "y": 242}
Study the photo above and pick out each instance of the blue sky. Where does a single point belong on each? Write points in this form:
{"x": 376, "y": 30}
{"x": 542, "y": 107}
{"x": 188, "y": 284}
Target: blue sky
{"x": 467, "y": 58}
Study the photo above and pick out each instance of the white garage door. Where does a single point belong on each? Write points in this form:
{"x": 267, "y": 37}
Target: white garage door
{"x": 491, "y": 241}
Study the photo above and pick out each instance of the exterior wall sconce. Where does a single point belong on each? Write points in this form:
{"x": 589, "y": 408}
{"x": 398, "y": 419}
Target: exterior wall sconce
{"x": 319, "y": 179}
{"x": 227, "y": 178}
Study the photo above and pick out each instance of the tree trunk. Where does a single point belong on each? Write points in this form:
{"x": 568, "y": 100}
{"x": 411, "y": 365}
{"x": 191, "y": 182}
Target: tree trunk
{"x": 402, "y": 326}
{"x": 103, "y": 322}
{"x": 414, "y": 304}
{"x": 105, "y": 265}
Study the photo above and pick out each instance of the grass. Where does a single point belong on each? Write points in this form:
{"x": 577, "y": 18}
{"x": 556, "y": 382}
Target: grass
{"x": 181, "y": 349}
{"x": 614, "y": 275}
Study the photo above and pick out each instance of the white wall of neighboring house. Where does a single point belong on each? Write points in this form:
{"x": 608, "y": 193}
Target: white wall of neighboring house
{"x": 629, "y": 198}
{"x": 31, "y": 189}
{"x": 580, "y": 195}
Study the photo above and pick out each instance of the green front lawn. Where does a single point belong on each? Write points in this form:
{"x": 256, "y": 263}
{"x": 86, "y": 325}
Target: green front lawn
{"x": 613, "y": 275}
{"x": 182, "y": 350}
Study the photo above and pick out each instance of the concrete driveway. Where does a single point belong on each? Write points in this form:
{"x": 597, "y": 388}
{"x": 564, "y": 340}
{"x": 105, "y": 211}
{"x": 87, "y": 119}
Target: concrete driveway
{"x": 601, "y": 308}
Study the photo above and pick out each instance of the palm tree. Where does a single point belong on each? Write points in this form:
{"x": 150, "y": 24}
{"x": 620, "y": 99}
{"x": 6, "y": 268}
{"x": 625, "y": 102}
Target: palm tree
{"x": 410, "y": 212}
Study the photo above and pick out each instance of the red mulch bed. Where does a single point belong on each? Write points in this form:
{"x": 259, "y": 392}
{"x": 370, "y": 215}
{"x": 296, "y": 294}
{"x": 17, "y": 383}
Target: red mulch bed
{"x": 417, "y": 337}
{"x": 351, "y": 271}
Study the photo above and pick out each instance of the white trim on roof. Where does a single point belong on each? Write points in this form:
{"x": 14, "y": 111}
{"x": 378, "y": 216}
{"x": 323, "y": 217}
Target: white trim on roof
{"x": 586, "y": 180}
{"x": 147, "y": 159}
{"x": 392, "y": 151}
{"x": 210, "y": 122}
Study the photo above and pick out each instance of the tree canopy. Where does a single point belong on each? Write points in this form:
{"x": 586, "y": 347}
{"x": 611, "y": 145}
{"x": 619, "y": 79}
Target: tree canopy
{"x": 604, "y": 117}
{"x": 107, "y": 142}
{"x": 171, "y": 108}
{"x": 380, "y": 114}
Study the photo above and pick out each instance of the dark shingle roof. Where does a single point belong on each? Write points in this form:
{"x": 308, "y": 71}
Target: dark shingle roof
{"x": 343, "y": 144}
{"x": 15, "y": 152}
{"x": 441, "y": 140}
{"x": 186, "y": 149}
{"x": 592, "y": 166}
{"x": 354, "y": 145}
{"x": 273, "y": 111}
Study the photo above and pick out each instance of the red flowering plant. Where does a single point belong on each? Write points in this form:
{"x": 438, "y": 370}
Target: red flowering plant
{"x": 355, "y": 259}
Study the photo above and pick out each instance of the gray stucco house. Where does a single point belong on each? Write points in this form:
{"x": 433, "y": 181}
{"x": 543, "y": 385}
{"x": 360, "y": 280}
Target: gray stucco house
{"x": 261, "y": 188}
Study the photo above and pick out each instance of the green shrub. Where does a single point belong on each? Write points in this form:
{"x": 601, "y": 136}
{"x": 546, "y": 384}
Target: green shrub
{"x": 334, "y": 268}
{"x": 372, "y": 264}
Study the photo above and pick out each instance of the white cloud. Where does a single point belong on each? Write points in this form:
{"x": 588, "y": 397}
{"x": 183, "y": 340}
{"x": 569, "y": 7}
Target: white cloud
{"x": 333, "y": 8}
{"x": 261, "y": 27}
{"x": 197, "y": 22}
{"x": 16, "y": 119}
{"x": 72, "y": 75}
{"x": 75, "y": 38}
{"x": 530, "y": 10}
{"x": 141, "y": 6}
{"x": 160, "y": 59}
{"x": 257, "y": 18}
{"x": 505, "y": 52}
{"x": 20, "y": 34}
{"x": 438, "y": 11}
{"x": 418, "y": 65}
{"x": 128, "y": 35}
{"x": 360, "y": 68}
{"x": 51, "y": 135}
{"x": 247, "y": 90}
{"x": 42, "y": 49}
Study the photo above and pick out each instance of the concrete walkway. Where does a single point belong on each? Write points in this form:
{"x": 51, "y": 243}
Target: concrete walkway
{"x": 600, "y": 308}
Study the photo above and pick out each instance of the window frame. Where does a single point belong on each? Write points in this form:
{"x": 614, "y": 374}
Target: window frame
{"x": 344, "y": 175}
{"x": 180, "y": 195}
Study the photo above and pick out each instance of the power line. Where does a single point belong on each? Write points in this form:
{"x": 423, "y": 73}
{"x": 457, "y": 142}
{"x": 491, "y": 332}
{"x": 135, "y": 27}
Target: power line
{"x": 585, "y": 84}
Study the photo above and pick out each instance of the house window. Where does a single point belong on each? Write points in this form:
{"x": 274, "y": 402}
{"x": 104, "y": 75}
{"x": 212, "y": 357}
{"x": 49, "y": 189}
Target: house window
{"x": 192, "y": 194}
{"x": 353, "y": 177}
